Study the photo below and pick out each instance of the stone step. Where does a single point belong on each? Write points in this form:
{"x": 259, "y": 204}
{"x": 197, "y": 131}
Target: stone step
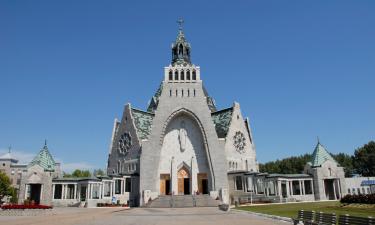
{"x": 183, "y": 201}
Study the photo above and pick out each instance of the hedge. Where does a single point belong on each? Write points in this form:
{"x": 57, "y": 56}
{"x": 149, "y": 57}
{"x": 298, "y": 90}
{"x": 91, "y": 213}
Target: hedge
{"x": 362, "y": 199}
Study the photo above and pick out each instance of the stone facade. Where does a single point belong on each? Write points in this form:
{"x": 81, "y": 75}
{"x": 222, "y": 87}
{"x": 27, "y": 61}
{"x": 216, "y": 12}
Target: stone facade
{"x": 182, "y": 144}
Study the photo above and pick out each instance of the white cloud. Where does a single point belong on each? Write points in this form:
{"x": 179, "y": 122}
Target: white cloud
{"x": 26, "y": 157}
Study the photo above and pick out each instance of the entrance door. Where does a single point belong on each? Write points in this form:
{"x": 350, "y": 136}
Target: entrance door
{"x": 165, "y": 184}
{"x": 202, "y": 183}
{"x": 183, "y": 177}
{"x": 35, "y": 190}
{"x": 83, "y": 193}
{"x": 329, "y": 189}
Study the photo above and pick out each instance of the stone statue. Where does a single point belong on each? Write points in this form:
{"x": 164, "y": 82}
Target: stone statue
{"x": 182, "y": 136}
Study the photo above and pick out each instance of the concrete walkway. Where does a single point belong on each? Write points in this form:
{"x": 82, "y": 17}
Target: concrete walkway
{"x": 141, "y": 216}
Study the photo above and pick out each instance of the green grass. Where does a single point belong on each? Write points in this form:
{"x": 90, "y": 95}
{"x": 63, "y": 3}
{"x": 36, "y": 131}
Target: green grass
{"x": 290, "y": 210}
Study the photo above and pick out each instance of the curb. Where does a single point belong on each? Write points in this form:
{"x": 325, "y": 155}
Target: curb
{"x": 280, "y": 218}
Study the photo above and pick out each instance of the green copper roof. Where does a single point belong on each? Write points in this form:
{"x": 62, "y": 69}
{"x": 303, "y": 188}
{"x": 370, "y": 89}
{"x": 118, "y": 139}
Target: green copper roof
{"x": 44, "y": 159}
{"x": 143, "y": 122}
{"x": 320, "y": 155}
{"x": 222, "y": 120}
{"x": 155, "y": 100}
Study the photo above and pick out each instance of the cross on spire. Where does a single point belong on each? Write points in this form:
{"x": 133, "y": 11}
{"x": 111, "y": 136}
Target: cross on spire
{"x": 180, "y": 23}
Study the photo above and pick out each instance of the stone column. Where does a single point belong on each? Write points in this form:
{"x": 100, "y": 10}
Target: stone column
{"x": 53, "y": 191}
{"x": 334, "y": 188}
{"x": 287, "y": 188}
{"x": 193, "y": 175}
{"x": 300, "y": 187}
{"x": 279, "y": 191}
{"x": 75, "y": 191}
{"x": 174, "y": 177}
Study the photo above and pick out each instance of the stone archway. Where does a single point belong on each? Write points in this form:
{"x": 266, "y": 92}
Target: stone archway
{"x": 185, "y": 155}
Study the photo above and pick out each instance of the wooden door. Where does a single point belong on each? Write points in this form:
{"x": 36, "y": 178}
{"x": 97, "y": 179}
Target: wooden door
{"x": 201, "y": 187}
{"x": 163, "y": 183}
{"x": 181, "y": 175}
{"x": 181, "y": 189}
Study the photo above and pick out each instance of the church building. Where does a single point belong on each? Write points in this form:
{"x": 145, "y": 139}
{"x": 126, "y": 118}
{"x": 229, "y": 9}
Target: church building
{"x": 181, "y": 144}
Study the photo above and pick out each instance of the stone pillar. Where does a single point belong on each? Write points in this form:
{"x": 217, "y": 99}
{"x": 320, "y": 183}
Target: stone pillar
{"x": 174, "y": 177}
{"x": 300, "y": 187}
{"x": 75, "y": 191}
{"x": 53, "y": 191}
{"x": 312, "y": 187}
{"x": 334, "y": 188}
{"x": 100, "y": 191}
{"x": 287, "y": 189}
{"x": 279, "y": 191}
{"x": 63, "y": 191}
{"x": 193, "y": 175}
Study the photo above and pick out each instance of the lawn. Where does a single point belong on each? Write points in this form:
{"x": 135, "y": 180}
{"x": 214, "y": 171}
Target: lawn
{"x": 291, "y": 209}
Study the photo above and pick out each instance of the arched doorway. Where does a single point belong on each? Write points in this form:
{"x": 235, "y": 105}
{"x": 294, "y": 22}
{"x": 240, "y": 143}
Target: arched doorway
{"x": 183, "y": 177}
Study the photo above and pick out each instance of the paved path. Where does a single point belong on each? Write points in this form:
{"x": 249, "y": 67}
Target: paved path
{"x": 141, "y": 216}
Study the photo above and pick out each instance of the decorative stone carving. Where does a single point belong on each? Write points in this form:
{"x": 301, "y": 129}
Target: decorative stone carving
{"x": 182, "y": 136}
{"x": 124, "y": 143}
{"x": 239, "y": 142}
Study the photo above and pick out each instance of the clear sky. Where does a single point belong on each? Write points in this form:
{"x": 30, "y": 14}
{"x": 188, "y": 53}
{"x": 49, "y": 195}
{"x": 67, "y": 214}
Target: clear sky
{"x": 299, "y": 69}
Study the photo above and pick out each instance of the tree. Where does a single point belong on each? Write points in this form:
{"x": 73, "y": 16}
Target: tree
{"x": 364, "y": 159}
{"x": 6, "y": 189}
{"x": 293, "y": 164}
{"x": 98, "y": 172}
{"x": 345, "y": 161}
{"x": 78, "y": 173}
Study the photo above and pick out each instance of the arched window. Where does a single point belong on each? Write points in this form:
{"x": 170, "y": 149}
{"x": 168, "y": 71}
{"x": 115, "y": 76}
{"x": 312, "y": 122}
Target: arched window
{"x": 188, "y": 92}
{"x": 182, "y": 75}
{"x": 176, "y": 93}
{"x": 194, "y": 75}
{"x": 176, "y": 75}
{"x": 170, "y": 93}
{"x": 182, "y": 93}
{"x": 188, "y": 75}
{"x": 170, "y": 75}
{"x": 194, "y": 92}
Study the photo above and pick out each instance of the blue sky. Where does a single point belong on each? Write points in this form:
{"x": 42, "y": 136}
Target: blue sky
{"x": 299, "y": 69}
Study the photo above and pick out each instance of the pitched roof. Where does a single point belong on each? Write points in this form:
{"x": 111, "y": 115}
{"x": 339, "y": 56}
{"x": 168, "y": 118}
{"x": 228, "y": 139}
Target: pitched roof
{"x": 320, "y": 155}
{"x": 222, "y": 121}
{"x": 44, "y": 159}
{"x": 143, "y": 122}
{"x": 8, "y": 156}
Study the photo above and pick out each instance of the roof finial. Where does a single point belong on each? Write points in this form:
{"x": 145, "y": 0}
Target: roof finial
{"x": 45, "y": 142}
{"x": 180, "y": 23}
{"x": 9, "y": 148}
{"x": 318, "y": 139}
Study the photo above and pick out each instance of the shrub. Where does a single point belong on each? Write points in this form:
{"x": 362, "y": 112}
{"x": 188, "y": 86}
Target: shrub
{"x": 361, "y": 199}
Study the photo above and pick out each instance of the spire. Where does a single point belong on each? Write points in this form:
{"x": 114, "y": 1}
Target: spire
{"x": 44, "y": 159}
{"x": 320, "y": 155}
{"x": 9, "y": 149}
{"x": 180, "y": 48}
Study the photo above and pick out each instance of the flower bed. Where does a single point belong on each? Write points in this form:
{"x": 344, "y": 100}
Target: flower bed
{"x": 25, "y": 207}
{"x": 111, "y": 205}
